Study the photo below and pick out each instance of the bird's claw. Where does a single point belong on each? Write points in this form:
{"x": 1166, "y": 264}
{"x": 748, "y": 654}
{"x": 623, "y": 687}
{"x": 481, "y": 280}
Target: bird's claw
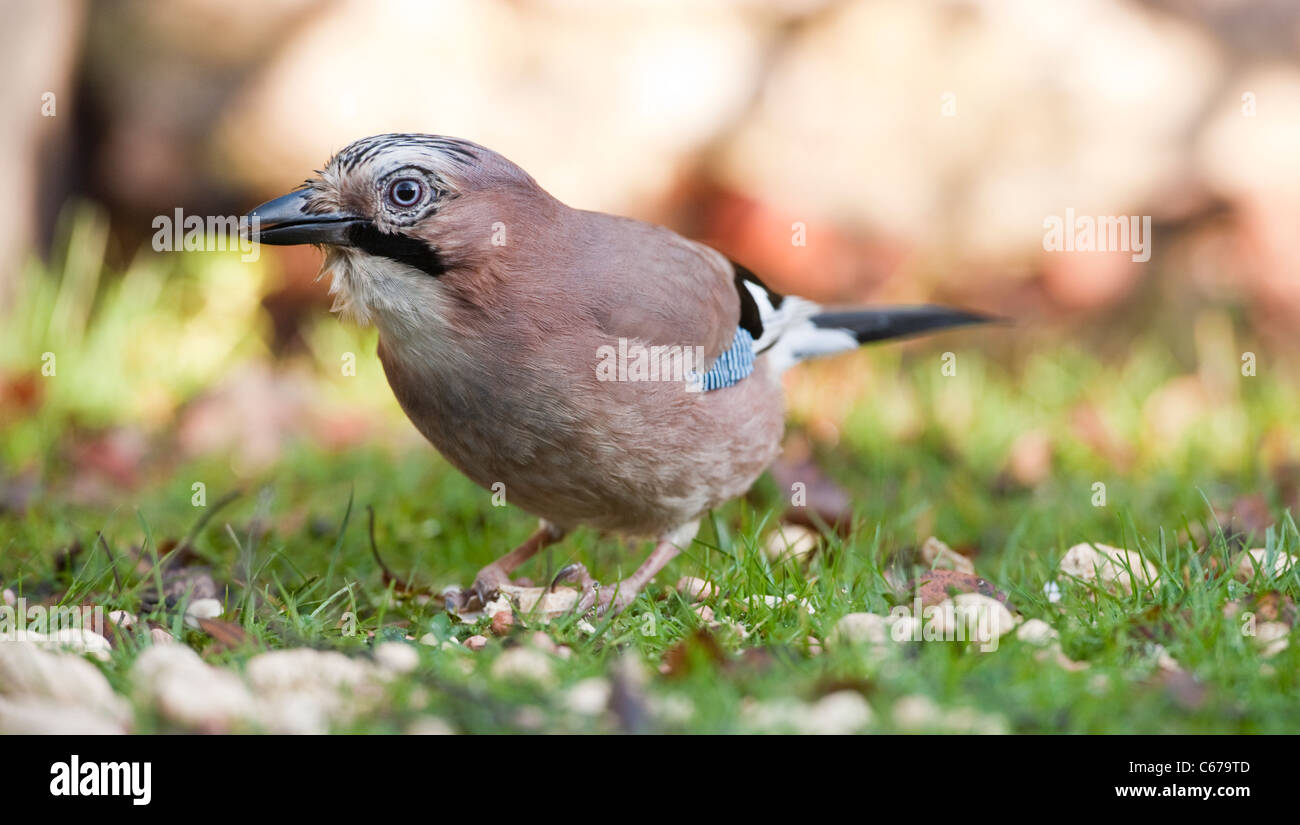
{"x": 489, "y": 581}
{"x": 605, "y": 600}
{"x": 577, "y": 573}
{"x": 487, "y": 584}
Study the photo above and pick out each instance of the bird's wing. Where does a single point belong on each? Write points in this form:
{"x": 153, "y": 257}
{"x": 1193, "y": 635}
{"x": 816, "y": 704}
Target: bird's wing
{"x": 649, "y": 284}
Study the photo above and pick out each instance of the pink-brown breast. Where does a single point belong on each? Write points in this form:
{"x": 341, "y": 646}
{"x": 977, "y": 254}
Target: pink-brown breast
{"x": 638, "y": 458}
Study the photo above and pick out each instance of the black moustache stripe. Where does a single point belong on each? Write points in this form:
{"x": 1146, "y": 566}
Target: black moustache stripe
{"x": 399, "y": 248}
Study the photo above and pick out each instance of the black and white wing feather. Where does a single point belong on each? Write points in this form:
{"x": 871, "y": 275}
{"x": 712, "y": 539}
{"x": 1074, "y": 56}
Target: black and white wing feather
{"x": 792, "y": 329}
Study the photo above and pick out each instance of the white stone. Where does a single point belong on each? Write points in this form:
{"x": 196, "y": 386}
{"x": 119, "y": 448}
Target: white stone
{"x": 936, "y": 554}
{"x": 523, "y": 664}
{"x": 1037, "y": 632}
{"x": 1257, "y": 562}
{"x": 397, "y": 657}
{"x": 791, "y": 541}
{"x": 589, "y": 697}
{"x": 1109, "y": 566}
{"x": 201, "y": 609}
{"x": 859, "y": 628}
{"x": 189, "y": 692}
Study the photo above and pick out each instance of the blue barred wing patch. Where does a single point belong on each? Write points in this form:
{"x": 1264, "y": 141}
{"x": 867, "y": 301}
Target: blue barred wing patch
{"x": 731, "y": 366}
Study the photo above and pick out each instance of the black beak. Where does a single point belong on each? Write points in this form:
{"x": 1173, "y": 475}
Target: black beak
{"x": 284, "y": 222}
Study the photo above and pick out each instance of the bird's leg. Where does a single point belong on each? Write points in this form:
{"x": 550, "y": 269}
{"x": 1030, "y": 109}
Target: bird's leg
{"x": 615, "y": 598}
{"x": 490, "y": 579}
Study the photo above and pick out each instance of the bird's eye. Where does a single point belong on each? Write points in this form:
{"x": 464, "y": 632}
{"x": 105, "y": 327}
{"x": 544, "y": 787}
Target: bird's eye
{"x": 405, "y": 192}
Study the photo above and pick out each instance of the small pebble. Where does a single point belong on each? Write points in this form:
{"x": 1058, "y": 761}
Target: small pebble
{"x": 1271, "y": 637}
{"x": 988, "y": 613}
{"x": 1256, "y": 562}
{"x": 589, "y": 697}
{"x": 430, "y": 726}
{"x": 859, "y": 628}
{"x": 397, "y": 657}
{"x": 695, "y": 589}
{"x": 791, "y": 541}
{"x": 1037, "y": 632}
{"x": 523, "y": 664}
{"x": 201, "y": 609}
{"x": 502, "y": 621}
{"x": 542, "y": 642}
{"x": 1112, "y": 566}
{"x": 936, "y": 554}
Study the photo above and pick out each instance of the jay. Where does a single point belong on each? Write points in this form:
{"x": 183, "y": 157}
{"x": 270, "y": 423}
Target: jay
{"x": 498, "y": 309}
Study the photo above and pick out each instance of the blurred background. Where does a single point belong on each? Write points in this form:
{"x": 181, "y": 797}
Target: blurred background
{"x": 920, "y": 146}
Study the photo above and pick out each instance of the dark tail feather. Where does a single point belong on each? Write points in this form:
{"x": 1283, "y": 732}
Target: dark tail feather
{"x": 897, "y": 322}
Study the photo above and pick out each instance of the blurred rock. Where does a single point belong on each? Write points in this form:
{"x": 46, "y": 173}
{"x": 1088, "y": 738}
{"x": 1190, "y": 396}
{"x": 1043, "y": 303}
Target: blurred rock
{"x": 523, "y": 664}
{"x": 1038, "y": 119}
{"x": 397, "y": 657}
{"x": 791, "y": 541}
{"x": 859, "y": 628}
{"x": 990, "y": 616}
{"x": 838, "y": 713}
{"x": 695, "y": 589}
{"x": 1037, "y": 632}
{"x": 1272, "y": 638}
{"x": 73, "y": 639}
{"x": 589, "y": 697}
{"x": 38, "y": 685}
{"x": 936, "y": 554}
{"x": 430, "y": 726}
{"x": 602, "y": 103}
{"x": 201, "y": 609}
{"x": 1259, "y": 562}
{"x": 36, "y": 717}
{"x": 190, "y": 693}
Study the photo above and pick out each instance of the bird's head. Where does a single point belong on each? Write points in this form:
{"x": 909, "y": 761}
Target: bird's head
{"x": 395, "y": 213}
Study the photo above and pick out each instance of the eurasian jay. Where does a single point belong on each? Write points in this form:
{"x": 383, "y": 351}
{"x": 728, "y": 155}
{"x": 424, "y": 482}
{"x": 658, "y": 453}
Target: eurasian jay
{"x": 515, "y": 332}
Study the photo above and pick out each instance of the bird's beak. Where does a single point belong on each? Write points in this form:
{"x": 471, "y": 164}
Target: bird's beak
{"x": 284, "y": 221}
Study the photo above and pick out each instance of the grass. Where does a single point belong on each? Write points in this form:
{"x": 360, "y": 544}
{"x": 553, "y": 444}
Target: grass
{"x": 920, "y": 453}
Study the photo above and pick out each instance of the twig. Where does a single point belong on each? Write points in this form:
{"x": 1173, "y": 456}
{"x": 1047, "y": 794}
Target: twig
{"x": 112, "y": 561}
{"x": 387, "y": 575}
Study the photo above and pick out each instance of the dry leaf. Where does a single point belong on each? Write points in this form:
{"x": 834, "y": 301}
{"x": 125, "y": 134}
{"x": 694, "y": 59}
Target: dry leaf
{"x": 539, "y": 603}
{"x": 226, "y": 635}
{"x": 690, "y": 652}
